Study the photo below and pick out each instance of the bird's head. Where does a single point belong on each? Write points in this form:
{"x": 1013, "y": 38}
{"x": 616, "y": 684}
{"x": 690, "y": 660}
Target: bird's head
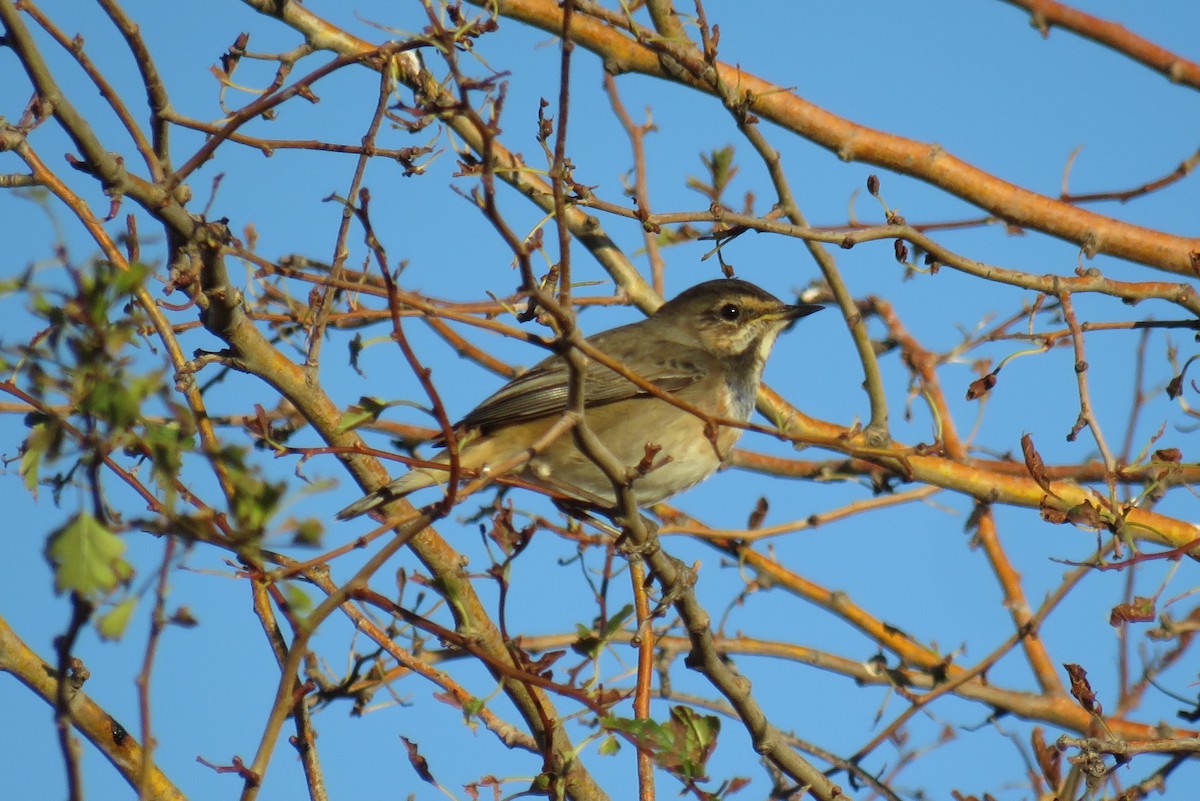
{"x": 729, "y": 318}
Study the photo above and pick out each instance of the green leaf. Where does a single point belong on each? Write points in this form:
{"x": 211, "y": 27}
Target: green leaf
{"x": 306, "y": 532}
{"x": 586, "y": 643}
{"x": 609, "y": 746}
{"x": 589, "y": 644}
{"x": 167, "y": 443}
{"x": 297, "y": 599}
{"x": 43, "y": 446}
{"x": 113, "y": 623}
{"x": 695, "y": 738}
{"x": 31, "y": 456}
{"x": 473, "y": 707}
{"x": 116, "y": 399}
{"x": 681, "y": 746}
{"x": 617, "y": 621}
{"x": 86, "y": 557}
{"x": 126, "y": 282}
{"x": 255, "y": 500}
{"x": 367, "y": 410}
{"x": 648, "y": 733}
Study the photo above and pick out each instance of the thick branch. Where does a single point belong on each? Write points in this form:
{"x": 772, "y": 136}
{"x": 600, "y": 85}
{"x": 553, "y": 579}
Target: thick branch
{"x": 1047, "y": 14}
{"x": 1094, "y": 233}
{"x": 112, "y": 739}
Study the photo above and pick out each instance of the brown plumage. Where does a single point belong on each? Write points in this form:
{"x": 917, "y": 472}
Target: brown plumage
{"x": 706, "y": 347}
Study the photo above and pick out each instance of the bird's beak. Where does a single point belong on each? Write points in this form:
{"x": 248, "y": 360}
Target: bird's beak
{"x": 794, "y": 313}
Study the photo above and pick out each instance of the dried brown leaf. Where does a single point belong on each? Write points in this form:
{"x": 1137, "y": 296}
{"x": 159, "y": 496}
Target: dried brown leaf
{"x": 417, "y": 761}
{"x": 1034, "y": 464}
{"x": 1049, "y": 758}
{"x": 1081, "y": 690}
{"x": 1139, "y": 610}
{"x": 1087, "y": 515}
{"x": 758, "y": 514}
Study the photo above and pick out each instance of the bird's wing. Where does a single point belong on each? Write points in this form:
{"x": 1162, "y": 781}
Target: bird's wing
{"x": 542, "y": 390}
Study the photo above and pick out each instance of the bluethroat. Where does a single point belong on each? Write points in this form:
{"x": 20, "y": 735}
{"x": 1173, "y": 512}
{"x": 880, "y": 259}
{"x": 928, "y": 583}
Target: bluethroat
{"x": 706, "y": 347}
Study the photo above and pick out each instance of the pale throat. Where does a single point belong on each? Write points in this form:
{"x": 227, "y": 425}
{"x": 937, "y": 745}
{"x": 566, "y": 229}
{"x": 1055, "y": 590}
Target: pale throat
{"x": 744, "y": 393}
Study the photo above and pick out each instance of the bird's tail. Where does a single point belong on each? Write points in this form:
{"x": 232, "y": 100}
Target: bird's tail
{"x": 409, "y": 482}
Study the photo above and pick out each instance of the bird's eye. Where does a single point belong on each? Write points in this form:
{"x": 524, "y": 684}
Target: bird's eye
{"x": 731, "y": 312}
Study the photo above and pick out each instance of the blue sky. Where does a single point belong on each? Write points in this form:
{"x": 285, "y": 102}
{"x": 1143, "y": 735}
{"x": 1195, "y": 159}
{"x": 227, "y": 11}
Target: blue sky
{"x": 971, "y": 76}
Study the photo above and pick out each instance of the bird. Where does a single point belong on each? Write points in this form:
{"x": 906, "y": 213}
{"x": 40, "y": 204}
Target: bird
{"x": 706, "y": 347}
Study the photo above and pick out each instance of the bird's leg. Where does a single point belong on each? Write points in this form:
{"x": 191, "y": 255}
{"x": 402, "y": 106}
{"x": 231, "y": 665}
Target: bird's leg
{"x": 684, "y": 580}
{"x": 642, "y": 545}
